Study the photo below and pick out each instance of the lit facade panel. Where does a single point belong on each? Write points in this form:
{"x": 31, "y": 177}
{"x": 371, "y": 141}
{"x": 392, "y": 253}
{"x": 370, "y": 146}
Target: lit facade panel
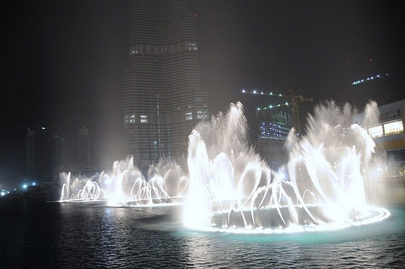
{"x": 273, "y": 127}
{"x": 389, "y": 137}
{"x": 162, "y": 84}
{"x": 395, "y": 127}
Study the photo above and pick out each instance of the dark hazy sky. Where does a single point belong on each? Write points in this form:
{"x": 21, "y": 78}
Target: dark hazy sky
{"x": 62, "y": 61}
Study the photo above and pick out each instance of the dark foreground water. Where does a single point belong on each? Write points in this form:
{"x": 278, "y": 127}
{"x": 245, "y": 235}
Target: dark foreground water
{"x": 54, "y": 235}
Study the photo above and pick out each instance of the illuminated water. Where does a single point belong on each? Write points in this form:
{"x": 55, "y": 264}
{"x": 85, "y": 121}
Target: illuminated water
{"x": 41, "y": 235}
{"x": 228, "y": 186}
{"x": 229, "y": 210}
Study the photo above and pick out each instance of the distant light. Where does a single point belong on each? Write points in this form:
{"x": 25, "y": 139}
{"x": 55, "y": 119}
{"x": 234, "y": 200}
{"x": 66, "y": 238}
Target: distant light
{"x": 279, "y": 94}
{"x": 254, "y": 91}
{"x": 261, "y": 93}
{"x": 243, "y": 91}
{"x": 286, "y": 103}
{"x": 25, "y": 186}
{"x": 33, "y": 183}
{"x": 43, "y": 128}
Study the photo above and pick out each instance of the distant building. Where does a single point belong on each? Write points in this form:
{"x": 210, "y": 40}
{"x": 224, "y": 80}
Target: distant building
{"x": 389, "y": 137}
{"x": 78, "y": 167}
{"x": 59, "y": 151}
{"x": 162, "y": 97}
{"x": 272, "y": 128}
{"x": 31, "y": 154}
{"x": 373, "y": 88}
{"x": 84, "y": 147}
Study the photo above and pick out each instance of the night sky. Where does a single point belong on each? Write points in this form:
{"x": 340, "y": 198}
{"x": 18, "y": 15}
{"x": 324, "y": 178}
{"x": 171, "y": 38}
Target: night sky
{"x": 62, "y": 61}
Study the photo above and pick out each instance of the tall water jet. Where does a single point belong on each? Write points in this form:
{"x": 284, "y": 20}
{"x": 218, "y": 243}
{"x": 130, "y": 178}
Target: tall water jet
{"x": 228, "y": 186}
{"x": 232, "y": 187}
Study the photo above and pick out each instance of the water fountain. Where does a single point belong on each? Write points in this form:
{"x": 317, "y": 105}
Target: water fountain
{"x": 231, "y": 188}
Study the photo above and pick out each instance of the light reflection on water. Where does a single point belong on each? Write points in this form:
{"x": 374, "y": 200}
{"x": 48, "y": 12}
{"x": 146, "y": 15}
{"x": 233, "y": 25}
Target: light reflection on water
{"x": 66, "y": 235}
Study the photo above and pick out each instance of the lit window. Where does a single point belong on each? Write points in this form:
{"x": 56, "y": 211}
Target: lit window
{"x": 192, "y": 46}
{"x": 129, "y": 118}
{"x": 144, "y": 119}
{"x": 376, "y": 131}
{"x": 202, "y": 114}
{"x": 189, "y": 115}
{"x": 134, "y": 51}
{"x": 395, "y": 127}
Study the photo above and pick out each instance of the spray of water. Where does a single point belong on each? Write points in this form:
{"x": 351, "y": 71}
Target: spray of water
{"x": 229, "y": 186}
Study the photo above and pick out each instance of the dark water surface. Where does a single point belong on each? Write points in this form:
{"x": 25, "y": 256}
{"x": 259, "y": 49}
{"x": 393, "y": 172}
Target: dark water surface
{"x": 54, "y": 235}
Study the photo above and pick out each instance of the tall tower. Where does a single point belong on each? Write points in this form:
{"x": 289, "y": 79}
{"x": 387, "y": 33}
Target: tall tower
{"x": 162, "y": 98}
{"x": 84, "y": 147}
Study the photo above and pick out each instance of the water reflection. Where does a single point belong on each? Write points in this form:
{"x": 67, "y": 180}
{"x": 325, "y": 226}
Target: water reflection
{"x": 65, "y": 236}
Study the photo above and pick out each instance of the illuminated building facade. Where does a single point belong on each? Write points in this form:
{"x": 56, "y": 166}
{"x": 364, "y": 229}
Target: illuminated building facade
{"x": 272, "y": 127}
{"x": 389, "y": 137}
{"x": 373, "y": 88}
{"x": 162, "y": 98}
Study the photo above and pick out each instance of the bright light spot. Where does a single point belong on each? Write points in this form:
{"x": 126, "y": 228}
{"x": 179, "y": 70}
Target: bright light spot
{"x": 25, "y": 186}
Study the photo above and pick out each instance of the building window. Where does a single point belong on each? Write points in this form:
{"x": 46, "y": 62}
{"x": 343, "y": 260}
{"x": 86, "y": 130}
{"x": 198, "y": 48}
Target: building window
{"x": 189, "y": 115}
{"x": 202, "y": 114}
{"x": 144, "y": 119}
{"x": 376, "y": 131}
{"x": 192, "y": 46}
{"x": 395, "y": 127}
{"x": 129, "y": 118}
{"x": 134, "y": 51}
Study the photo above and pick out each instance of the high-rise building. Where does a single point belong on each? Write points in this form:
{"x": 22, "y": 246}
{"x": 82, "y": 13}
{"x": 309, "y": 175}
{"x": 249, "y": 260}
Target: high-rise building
{"x": 77, "y": 161}
{"x": 162, "y": 97}
{"x": 59, "y": 151}
{"x": 273, "y": 127}
{"x": 84, "y": 147}
{"x": 374, "y": 88}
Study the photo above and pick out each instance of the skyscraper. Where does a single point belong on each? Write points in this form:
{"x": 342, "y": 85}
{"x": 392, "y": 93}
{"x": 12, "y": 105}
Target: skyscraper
{"x": 162, "y": 98}
{"x": 84, "y": 147}
{"x": 375, "y": 88}
{"x": 273, "y": 127}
